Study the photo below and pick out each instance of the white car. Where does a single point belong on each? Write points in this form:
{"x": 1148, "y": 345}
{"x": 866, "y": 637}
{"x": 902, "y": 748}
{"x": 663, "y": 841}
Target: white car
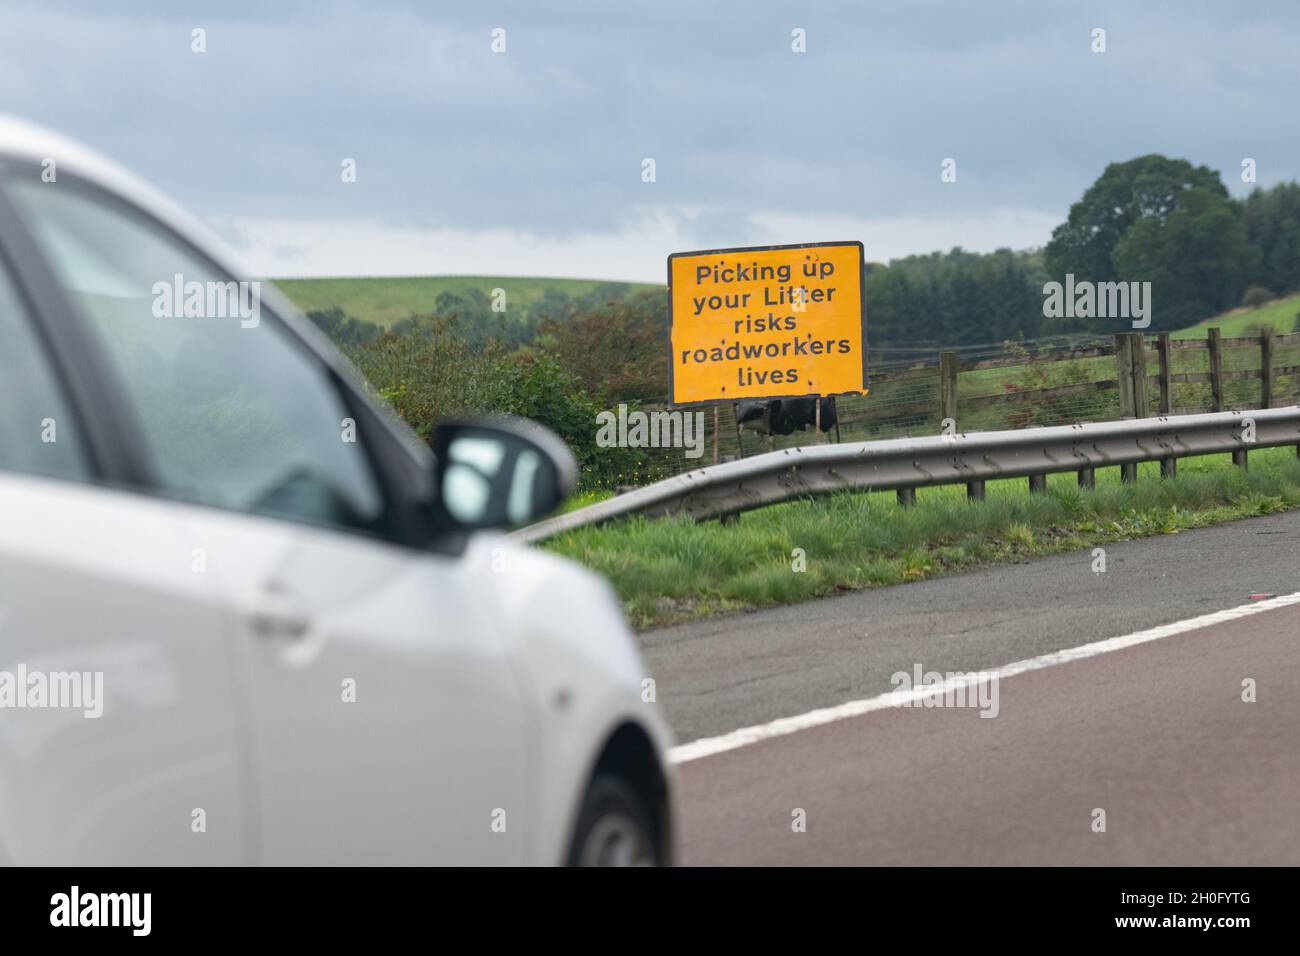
{"x": 246, "y": 617}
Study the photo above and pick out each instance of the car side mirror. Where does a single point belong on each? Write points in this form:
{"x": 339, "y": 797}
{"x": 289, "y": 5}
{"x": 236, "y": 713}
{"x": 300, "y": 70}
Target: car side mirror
{"x": 499, "y": 472}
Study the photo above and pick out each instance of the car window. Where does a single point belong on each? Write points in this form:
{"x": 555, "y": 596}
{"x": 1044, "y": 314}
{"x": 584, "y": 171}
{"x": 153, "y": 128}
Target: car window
{"x": 37, "y": 434}
{"x": 236, "y": 414}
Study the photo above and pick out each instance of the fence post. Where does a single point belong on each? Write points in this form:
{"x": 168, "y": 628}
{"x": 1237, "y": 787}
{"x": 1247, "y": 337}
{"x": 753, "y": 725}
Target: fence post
{"x": 1126, "y": 382}
{"x": 1266, "y": 367}
{"x": 1166, "y": 387}
{"x": 906, "y": 497}
{"x": 716, "y": 422}
{"x": 740, "y": 441}
{"x": 1168, "y": 466}
{"x": 1216, "y": 369}
{"x": 1138, "y": 360}
{"x": 1124, "y": 374}
{"x": 948, "y": 386}
{"x": 1138, "y": 364}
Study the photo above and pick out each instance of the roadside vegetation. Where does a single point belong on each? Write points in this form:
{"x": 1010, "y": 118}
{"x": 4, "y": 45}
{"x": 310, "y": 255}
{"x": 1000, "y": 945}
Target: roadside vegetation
{"x": 562, "y": 350}
{"x": 431, "y": 374}
{"x": 676, "y": 569}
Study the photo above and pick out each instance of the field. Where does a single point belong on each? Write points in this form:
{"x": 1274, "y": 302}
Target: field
{"x": 385, "y": 300}
{"x": 1281, "y": 314}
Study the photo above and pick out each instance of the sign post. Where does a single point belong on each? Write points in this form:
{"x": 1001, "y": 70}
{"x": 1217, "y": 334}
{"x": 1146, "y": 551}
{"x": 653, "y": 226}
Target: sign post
{"x": 767, "y": 322}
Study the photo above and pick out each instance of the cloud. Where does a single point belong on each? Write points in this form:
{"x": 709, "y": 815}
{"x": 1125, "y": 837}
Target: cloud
{"x": 293, "y": 248}
{"x": 544, "y": 143}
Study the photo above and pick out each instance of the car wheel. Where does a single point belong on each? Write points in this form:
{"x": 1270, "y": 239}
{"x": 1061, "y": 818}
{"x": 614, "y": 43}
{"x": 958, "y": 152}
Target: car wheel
{"x": 614, "y": 827}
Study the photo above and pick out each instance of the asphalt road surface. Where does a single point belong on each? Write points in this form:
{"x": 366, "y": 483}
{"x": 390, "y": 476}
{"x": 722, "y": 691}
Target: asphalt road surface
{"x": 1156, "y": 735}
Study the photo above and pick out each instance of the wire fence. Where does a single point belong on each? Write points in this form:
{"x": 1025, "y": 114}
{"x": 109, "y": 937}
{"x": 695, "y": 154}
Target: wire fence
{"x": 984, "y": 388}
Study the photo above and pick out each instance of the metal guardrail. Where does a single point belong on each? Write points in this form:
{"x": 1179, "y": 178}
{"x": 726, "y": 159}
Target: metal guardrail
{"x": 906, "y": 464}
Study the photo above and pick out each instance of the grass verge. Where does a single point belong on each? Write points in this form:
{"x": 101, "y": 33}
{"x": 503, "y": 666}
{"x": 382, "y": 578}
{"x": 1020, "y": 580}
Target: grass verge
{"x": 672, "y": 570}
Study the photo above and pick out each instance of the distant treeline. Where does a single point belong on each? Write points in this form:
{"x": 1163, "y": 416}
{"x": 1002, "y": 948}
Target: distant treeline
{"x": 474, "y": 319}
{"x": 1151, "y": 219}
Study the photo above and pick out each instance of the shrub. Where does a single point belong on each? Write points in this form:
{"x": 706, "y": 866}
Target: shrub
{"x": 1256, "y": 296}
{"x": 617, "y": 349}
{"x": 544, "y": 390}
{"x": 430, "y": 374}
{"x": 431, "y": 377}
{"x": 1033, "y": 376}
{"x": 343, "y": 328}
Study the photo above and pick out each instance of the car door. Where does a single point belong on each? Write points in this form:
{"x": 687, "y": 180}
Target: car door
{"x": 385, "y": 716}
{"x": 118, "y": 728}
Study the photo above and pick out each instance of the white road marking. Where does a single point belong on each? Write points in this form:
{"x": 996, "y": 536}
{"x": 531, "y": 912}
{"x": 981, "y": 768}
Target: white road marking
{"x": 708, "y": 746}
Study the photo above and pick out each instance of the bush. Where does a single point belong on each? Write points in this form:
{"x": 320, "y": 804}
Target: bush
{"x": 1040, "y": 377}
{"x": 1256, "y": 296}
{"x": 617, "y": 349}
{"x": 543, "y": 390}
{"x": 433, "y": 376}
{"x": 343, "y": 328}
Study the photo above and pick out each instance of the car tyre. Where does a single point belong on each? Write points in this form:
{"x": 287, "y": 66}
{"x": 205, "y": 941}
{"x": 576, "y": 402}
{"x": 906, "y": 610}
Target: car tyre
{"x": 615, "y": 827}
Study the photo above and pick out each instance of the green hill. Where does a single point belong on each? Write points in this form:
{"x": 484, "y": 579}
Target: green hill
{"x": 1280, "y": 313}
{"x": 385, "y": 300}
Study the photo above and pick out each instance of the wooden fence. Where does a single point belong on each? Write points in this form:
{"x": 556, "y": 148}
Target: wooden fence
{"x": 1132, "y": 376}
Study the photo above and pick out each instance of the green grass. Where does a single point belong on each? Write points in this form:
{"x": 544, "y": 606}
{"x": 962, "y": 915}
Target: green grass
{"x": 388, "y": 300}
{"x": 1280, "y": 313}
{"x": 584, "y": 498}
{"x": 677, "y": 569}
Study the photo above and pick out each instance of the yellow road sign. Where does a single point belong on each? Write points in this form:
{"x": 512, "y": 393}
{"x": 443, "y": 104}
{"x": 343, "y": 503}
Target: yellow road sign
{"x": 767, "y": 322}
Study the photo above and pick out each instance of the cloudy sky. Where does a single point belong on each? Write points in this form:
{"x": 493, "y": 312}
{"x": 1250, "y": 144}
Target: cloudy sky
{"x": 529, "y": 162}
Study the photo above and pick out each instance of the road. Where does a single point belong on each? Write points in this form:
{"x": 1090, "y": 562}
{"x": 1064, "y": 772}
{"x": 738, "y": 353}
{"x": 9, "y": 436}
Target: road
{"x": 1156, "y": 735}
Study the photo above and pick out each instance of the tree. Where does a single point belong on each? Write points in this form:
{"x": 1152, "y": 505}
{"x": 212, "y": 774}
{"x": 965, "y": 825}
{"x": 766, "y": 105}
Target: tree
{"x": 618, "y": 351}
{"x": 1163, "y": 221}
{"x": 1149, "y": 187}
{"x": 1196, "y": 259}
{"x": 954, "y": 298}
{"x": 1272, "y": 219}
{"x": 343, "y": 328}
